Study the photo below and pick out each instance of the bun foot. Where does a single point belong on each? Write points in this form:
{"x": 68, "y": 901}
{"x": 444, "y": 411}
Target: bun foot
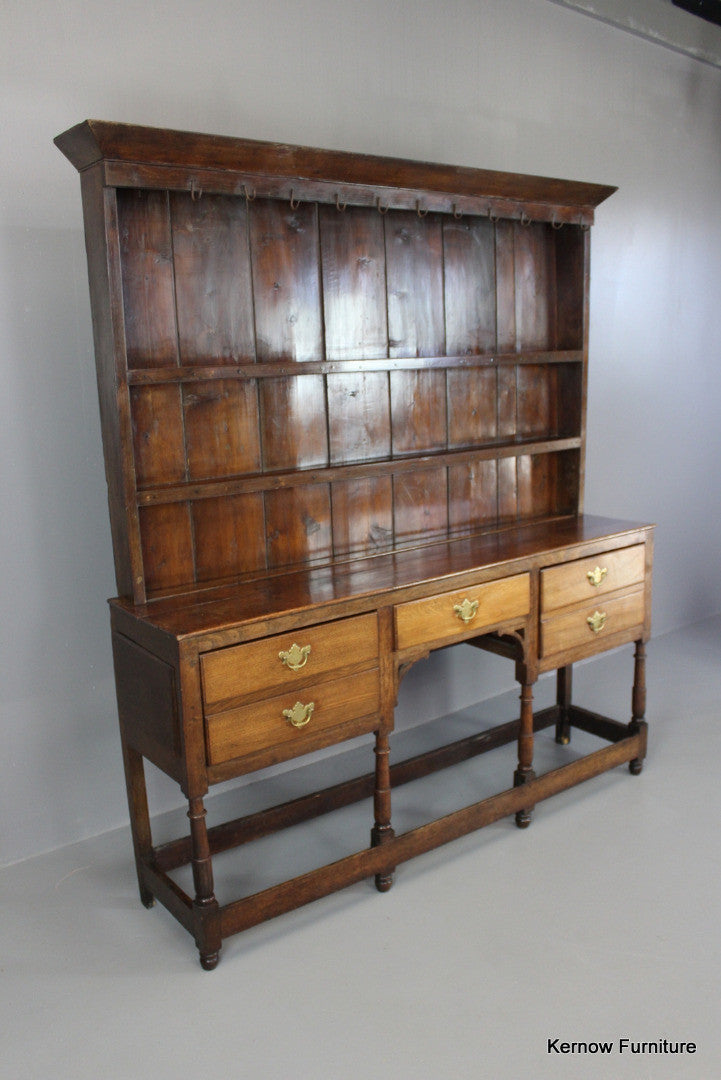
{"x": 635, "y": 767}
{"x": 524, "y": 818}
{"x": 384, "y": 882}
{"x": 209, "y": 961}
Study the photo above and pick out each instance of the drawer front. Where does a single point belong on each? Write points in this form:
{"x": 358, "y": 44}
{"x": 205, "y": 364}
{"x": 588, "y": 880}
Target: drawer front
{"x": 585, "y": 579}
{"x": 453, "y": 614}
{"x": 281, "y": 661}
{"x": 590, "y": 625}
{"x": 291, "y": 717}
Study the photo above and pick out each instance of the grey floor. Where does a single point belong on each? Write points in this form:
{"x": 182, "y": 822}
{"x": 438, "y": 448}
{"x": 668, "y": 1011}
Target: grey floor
{"x": 600, "y": 922}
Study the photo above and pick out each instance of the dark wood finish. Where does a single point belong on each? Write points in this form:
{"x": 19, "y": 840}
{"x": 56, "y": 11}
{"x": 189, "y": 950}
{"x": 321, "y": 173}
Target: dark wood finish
{"x": 343, "y": 404}
{"x": 524, "y": 773}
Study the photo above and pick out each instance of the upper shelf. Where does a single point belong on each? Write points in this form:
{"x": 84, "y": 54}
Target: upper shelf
{"x": 134, "y": 154}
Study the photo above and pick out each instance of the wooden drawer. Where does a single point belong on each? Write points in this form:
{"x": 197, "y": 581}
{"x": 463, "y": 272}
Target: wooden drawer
{"x": 586, "y": 579}
{"x": 262, "y": 726}
{"x": 230, "y": 675}
{"x": 441, "y": 617}
{"x": 571, "y": 629}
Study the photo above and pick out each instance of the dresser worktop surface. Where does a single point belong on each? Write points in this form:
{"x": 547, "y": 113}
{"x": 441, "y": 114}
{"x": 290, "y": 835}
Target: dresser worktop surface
{"x": 363, "y": 580}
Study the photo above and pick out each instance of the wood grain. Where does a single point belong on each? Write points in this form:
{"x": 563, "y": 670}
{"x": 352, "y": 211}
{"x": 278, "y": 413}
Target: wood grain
{"x": 298, "y": 525}
{"x": 212, "y": 279}
{"x": 354, "y": 295}
{"x": 221, "y": 428}
{"x": 252, "y": 728}
{"x": 434, "y": 619}
{"x": 569, "y": 584}
{"x": 147, "y": 278}
{"x": 359, "y": 420}
{"x": 167, "y": 540}
{"x": 569, "y": 629}
{"x": 229, "y": 536}
{"x": 286, "y": 281}
{"x": 470, "y": 286}
{"x": 420, "y": 505}
{"x": 291, "y": 435}
{"x": 158, "y": 435}
{"x": 362, "y": 515}
{"x": 230, "y": 675}
{"x": 414, "y": 272}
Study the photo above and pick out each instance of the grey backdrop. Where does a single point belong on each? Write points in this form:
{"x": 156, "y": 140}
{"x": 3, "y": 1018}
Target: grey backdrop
{"x": 519, "y": 85}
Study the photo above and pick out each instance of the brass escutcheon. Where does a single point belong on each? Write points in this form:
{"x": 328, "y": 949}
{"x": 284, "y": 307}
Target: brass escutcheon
{"x": 296, "y": 657}
{"x": 466, "y": 610}
{"x": 597, "y": 575}
{"x": 300, "y": 714}
{"x": 597, "y": 621}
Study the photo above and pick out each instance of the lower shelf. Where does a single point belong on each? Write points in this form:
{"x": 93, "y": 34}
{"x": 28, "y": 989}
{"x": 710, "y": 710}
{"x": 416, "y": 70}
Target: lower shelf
{"x": 627, "y": 743}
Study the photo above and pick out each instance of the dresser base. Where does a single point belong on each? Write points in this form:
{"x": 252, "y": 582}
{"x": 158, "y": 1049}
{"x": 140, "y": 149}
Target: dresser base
{"x": 627, "y": 743}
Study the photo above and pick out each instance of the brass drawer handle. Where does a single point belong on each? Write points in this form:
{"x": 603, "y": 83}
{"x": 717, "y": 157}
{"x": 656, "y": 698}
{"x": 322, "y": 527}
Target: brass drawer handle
{"x": 466, "y": 611}
{"x": 296, "y": 657}
{"x": 300, "y": 714}
{"x": 597, "y": 575}
{"x": 597, "y": 621}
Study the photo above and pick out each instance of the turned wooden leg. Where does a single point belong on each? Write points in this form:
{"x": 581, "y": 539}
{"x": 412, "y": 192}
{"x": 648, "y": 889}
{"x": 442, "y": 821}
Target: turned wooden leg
{"x": 638, "y": 704}
{"x": 564, "y": 687}
{"x": 382, "y": 832}
{"x": 139, "y": 816}
{"x": 205, "y": 905}
{"x": 525, "y": 772}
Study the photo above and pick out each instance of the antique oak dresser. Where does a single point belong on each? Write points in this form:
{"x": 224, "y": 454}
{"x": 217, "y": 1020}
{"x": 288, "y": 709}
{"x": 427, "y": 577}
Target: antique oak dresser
{"x": 343, "y": 404}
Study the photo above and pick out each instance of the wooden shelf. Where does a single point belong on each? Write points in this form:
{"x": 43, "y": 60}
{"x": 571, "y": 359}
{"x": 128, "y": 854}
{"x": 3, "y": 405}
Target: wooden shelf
{"x": 161, "y": 494}
{"x": 244, "y": 369}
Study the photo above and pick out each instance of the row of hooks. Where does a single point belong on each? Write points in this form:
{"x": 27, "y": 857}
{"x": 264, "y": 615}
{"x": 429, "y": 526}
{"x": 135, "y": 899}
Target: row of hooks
{"x": 197, "y": 192}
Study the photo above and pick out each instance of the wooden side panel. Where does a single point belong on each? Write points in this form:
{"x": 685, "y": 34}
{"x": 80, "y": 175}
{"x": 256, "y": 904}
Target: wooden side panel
{"x": 221, "y": 428}
{"x": 147, "y": 704}
{"x": 570, "y": 399}
{"x": 286, "y": 281}
{"x": 362, "y": 515}
{"x": 569, "y": 254}
{"x": 546, "y": 484}
{"x": 229, "y": 536}
{"x": 102, "y": 244}
{"x": 354, "y": 294}
{"x": 146, "y": 252}
{"x": 212, "y": 279}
